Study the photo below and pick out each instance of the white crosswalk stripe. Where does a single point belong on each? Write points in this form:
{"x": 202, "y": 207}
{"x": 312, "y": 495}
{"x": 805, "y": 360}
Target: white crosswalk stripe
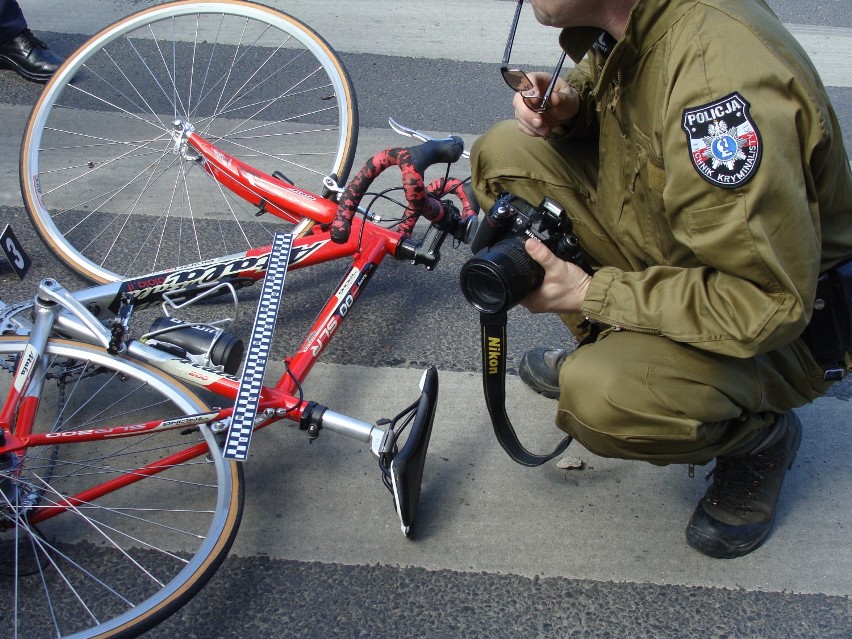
{"x": 465, "y": 30}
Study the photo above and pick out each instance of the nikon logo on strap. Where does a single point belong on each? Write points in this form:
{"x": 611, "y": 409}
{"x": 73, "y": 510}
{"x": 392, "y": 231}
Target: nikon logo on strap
{"x": 495, "y": 349}
{"x": 493, "y": 345}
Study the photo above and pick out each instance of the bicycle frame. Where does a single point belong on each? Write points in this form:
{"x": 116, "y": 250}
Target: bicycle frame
{"x": 368, "y": 244}
{"x": 86, "y": 413}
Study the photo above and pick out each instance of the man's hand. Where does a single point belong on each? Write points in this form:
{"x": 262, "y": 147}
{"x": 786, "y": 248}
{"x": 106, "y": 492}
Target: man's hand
{"x": 564, "y": 105}
{"x": 564, "y": 287}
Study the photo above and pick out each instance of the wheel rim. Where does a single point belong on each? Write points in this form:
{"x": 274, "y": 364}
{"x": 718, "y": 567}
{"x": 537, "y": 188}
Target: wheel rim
{"x": 106, "y": 173}
{"x": 126, "y": 559}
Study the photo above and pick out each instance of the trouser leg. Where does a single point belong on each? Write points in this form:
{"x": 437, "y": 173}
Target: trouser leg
{"x": 637, "y": 396}
{"x": 12, "y": 20}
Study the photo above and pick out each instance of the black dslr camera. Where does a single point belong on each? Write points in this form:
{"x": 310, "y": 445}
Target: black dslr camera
{"x": 501, "y": 273}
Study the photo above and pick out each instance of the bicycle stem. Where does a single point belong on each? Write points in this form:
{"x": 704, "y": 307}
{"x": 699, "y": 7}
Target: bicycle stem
{"x": 50, "y": 290}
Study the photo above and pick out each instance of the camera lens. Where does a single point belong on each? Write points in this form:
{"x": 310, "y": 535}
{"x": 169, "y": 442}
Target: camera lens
{"x": 483, "y": 286}
{"x": 497, "y": 278}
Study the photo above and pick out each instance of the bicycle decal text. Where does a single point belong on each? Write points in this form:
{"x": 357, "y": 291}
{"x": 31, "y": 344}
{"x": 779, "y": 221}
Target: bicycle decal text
{"x": 346, "y": 295}
{"x": 118, "y": 431}
{"x": 28, "y": 359}
{"x": 124, "y": 431}
{"x": 188, "y": 371}
{"x": 157, "y": 284}
{"x": 189, "y": 420}
{"x": 151, "y": 287}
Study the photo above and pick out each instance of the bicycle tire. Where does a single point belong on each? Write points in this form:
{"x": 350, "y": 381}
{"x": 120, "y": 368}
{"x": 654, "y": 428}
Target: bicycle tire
{"x": 119, "y": 564}
{"x": 115, "y": 195}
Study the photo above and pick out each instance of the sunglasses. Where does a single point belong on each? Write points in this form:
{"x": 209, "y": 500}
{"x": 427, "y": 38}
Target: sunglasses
{"x": 519, "y": 81}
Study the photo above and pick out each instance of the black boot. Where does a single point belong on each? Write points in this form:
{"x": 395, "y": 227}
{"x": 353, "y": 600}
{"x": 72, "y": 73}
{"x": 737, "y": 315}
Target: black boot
{"x": 29, "y": 57}
{"x": 539, "y": 368}
{"x": 736, "y": 513}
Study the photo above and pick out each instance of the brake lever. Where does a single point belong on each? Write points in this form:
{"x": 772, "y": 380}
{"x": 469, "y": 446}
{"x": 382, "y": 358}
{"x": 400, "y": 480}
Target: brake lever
{"x": 420, "y": 137}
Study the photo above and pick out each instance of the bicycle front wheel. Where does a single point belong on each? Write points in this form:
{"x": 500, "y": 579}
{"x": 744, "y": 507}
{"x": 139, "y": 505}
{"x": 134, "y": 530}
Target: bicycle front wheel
{"x": 81, "y": 555}
{"x": 107, "y": 178}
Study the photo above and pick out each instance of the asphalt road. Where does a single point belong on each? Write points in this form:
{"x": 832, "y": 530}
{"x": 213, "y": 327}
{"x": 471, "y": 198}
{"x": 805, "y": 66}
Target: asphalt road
{"x": 503, "y": 551}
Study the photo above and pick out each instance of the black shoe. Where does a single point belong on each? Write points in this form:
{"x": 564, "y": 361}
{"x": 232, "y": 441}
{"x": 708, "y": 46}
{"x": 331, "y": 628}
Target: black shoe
{"x": 539, "y": 368}
{"x": 29, "y": 57}
{"x": 736, "y": 513}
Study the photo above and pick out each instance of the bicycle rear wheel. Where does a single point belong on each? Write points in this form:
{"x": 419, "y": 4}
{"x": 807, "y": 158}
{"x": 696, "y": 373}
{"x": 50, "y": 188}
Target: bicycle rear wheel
{"x": 116, "y": 564}
{"x": 115, "y": 193}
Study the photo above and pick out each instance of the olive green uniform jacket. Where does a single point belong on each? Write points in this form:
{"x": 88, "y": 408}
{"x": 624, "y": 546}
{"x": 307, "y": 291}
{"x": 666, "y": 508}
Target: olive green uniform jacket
{"x": 730, "y": 267}
{"x": 709, "y": 186}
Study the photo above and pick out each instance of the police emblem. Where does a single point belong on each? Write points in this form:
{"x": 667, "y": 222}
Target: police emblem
{"x": 725, "y": 144}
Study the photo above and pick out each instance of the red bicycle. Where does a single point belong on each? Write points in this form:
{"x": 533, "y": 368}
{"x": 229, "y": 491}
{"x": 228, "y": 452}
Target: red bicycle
{"x": 120, "y": 488}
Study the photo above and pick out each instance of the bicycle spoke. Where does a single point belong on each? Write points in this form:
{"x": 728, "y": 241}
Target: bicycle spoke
{"x": 237, "y": 95}
{"x": 150, "y": 174}
{"x": 111, "y": 198}
{"x": 95, "y": 534}
{"x": 117, "y": 109}
{"x": 235, "y": 217}
{"x": 100, "y": 167}
{"x": 148, "y": 108}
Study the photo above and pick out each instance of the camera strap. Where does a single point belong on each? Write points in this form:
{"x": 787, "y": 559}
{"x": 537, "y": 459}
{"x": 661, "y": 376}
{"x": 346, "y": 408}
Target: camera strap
{"x": 494, "y": 383}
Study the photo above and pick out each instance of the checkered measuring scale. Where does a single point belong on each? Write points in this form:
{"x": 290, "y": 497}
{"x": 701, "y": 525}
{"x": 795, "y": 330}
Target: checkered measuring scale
{"x": 248, "y": 396}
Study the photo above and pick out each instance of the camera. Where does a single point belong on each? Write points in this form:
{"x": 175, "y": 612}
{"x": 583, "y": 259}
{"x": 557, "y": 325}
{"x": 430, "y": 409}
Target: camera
{"x": 501, "y": 273}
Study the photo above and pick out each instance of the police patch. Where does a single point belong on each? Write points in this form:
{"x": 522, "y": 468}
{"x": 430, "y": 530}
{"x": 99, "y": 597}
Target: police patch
{"x": 725, "y": 144}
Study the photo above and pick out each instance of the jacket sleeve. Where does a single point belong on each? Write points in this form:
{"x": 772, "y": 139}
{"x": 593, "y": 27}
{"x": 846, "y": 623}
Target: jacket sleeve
{"x": 752, "y": 252}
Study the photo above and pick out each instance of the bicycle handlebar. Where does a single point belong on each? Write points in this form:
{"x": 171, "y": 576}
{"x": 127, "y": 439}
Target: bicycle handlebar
{"x": 422, "y": 200}
{"x": 436, "y": 151}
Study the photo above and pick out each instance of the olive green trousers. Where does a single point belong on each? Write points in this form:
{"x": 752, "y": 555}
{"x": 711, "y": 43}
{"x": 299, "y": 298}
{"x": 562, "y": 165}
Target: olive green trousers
{"x": 631, "y": 395}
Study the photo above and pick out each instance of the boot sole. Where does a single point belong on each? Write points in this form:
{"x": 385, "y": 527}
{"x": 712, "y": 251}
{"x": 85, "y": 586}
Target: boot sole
{"x": 713, "y": 546}
{"x": 8, "y": 63}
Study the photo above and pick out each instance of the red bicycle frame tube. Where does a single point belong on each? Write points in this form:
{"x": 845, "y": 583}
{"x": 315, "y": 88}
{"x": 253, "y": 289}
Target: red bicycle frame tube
{"x": 373, "y": 250}
{"x": 368, "y": 244}
{"x": 258, "y": 188}
{"x": 375, "y": 242}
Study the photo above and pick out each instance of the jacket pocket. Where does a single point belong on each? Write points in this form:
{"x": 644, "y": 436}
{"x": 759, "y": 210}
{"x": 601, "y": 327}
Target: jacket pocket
{"x": 719, "y": 237}
{"x": 643, "y": 223}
